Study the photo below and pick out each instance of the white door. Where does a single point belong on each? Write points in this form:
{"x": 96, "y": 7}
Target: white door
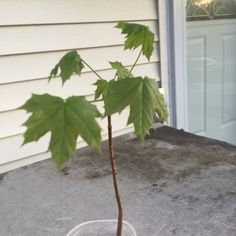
{"x": 211, "y": 78}
{"x": 211, "y": 69}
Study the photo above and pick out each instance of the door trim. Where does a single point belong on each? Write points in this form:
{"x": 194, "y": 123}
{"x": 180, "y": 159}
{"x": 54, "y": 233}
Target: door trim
{"x": 178, "y": 11}
{"x": 164, "y": 56}
{"x": 172, "y": 33}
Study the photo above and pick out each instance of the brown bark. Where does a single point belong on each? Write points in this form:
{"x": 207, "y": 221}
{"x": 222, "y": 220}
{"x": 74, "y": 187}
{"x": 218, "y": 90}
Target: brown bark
{"x": 115, "y": 181}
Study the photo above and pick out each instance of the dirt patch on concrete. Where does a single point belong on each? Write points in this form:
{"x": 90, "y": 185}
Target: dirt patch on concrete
{"x": 180, "y": 137}
{"x": 166, "y": 154}
{"x": 2, "y": 177}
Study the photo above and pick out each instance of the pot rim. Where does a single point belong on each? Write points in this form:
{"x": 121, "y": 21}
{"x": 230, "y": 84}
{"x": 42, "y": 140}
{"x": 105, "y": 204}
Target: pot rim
{"x": 73, "y": 230}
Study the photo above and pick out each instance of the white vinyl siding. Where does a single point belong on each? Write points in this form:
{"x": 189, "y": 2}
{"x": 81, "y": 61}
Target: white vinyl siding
{"x": 28, "y": 12}
{"x": 35, "y": 34}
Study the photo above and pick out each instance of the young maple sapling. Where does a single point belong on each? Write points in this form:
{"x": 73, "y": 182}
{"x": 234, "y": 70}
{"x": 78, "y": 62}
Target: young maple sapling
{"x": 67, "y": 119}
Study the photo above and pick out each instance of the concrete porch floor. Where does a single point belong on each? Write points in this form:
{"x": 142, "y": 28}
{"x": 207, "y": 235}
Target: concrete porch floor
{"x": 175, "y": 183}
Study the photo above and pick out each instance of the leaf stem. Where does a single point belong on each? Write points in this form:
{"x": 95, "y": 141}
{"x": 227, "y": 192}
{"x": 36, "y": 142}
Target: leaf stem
{"x": 98, "y": 100}
{"x": 139, "y": 55}
{"x": 92, "y": 69}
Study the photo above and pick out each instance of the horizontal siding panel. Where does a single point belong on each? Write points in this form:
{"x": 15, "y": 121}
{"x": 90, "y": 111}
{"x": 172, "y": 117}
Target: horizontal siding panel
{"x": 10, "y": 123}
{"x": 8, "y": 166}
{"x": 14, "y": 12}
{"x": 13, "y": 150}
{"x": 14, "y": 95}
{"x": 42, "y": 63}
{"x": 25, "y": 39}
{"x": 11, "y": 147}
{"x": 5, "y": 167}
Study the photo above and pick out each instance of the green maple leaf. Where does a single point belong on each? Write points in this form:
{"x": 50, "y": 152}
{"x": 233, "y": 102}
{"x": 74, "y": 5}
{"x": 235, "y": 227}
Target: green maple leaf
{"x": 101, "y": 90}
{"x": 121, "y": 71}
{"x": 143, "y": 98}
{"x": 66, "y": 120}
{"x": 138, "y": 35}
{"x": 70, "y": 63}
{"x": 159, "y": 104}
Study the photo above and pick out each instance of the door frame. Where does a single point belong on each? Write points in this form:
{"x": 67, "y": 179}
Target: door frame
{"x": 180, "y": 62}
{"x": 172, "y": 28}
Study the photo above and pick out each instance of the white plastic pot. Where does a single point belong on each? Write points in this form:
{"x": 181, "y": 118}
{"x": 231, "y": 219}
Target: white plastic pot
{"x": 101, "y": 228}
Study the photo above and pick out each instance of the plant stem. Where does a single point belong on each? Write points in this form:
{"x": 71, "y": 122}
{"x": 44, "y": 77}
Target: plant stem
{"x": 115, "y": 181}
{"x": 92, "y": 69}
{"x": 139, "y": 55}
{"x": 97, "y": 100}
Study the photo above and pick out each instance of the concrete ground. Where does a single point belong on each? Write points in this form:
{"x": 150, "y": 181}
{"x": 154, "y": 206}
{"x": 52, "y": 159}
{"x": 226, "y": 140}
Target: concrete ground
{"x": 175, "y": 183}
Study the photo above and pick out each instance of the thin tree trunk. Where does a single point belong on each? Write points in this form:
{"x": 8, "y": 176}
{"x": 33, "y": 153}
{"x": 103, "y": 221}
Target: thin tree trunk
{"x": 115, "y": 181}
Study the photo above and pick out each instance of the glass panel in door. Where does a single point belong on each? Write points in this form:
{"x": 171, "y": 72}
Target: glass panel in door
{"x": 211, "y": 68}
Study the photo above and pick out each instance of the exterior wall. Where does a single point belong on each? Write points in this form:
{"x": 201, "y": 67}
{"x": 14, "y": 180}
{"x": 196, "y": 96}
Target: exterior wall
{"x": 35, "y": 34}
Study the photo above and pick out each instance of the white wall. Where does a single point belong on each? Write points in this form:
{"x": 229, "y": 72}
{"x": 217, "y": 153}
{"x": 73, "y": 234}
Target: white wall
{"x": 35, "y": 34}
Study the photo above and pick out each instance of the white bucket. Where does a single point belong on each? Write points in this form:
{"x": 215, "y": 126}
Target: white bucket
{"x": 101, "y": 228}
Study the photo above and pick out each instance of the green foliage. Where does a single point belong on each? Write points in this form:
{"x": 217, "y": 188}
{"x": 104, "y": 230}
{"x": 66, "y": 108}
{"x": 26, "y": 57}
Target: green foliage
{"x": 66, "y": 120}
{"x": 138, "y": 35}
{"x": 70, "y": 63}
{"x": 75, "y": 116}
{"x": 159, "y": 104}
{"x": 143, "y": 98}
{"x": 102, "y": 89}
{"x": 121, "y": 71}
